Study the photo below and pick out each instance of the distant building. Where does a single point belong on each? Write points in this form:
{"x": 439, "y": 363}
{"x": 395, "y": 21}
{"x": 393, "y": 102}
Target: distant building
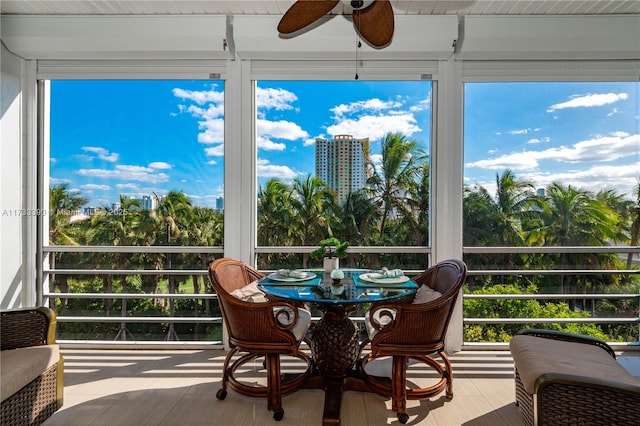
{"x": 220, "y": 203}
{"x": 341, "y": 163}
{"x": 148, "y": 203}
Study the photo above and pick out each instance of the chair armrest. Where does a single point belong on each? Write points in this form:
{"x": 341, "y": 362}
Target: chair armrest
{"x": 285, "y": 315}
{"x": 567, "y": 337}
{"x": 26, "y": 327}
{"x": 382, "y": 316}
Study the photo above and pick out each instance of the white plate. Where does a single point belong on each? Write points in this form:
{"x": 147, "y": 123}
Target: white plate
{"x": 275, "y": 277}
{"x": 389, "y": 280}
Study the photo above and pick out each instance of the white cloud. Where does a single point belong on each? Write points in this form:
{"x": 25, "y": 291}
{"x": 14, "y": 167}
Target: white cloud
{"x": 517, "y": 161}
{"x": 213, "y": 132}
{"x": 281, "y": 129}
{"x": 160, "y": 165}
{"x": 374, "y": 104}
{"x": 131, "y": 186}
{"x": 268, "y": 171}
{"x": 312, "y": 141}
{"x": 58, "y": 181}
{"x": 209, "y": 112}
{"x": 212, "y": 162}
{"x": 101, "y": 153}
{"x": 591, "y": 100}
{"x": 215, "y": 151}
{"x": 94, "y": 187}
{"x": 199, "y": 96}
{"x": 269, "y": 145}
{"x": 376, "y": 158}
{"x": 534, "y": 141}
{"x": 375, "y": 127}
{"x": 278, "y": 99}
{"x": 600, "y": 149}
{"x": 421, "y": 106}
{"x": 126, "y": 172}
{"x": 621, "y": 178}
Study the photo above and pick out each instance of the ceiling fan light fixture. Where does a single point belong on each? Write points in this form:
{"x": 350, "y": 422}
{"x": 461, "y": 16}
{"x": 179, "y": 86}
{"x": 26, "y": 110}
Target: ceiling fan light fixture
{"x": 359, "y": 4}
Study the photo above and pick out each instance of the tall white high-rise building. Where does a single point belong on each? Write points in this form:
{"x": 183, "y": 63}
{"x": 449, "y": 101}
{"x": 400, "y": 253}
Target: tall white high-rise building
{"x": 341, "y": 163}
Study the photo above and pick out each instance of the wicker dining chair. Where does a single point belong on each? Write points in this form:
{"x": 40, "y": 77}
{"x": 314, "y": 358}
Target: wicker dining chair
{"x": 413, "y": 332}
{"x": 258, "y": 330}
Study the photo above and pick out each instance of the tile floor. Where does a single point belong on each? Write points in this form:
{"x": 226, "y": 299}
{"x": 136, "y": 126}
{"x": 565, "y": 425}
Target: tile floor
{"x": 178, "y": 387}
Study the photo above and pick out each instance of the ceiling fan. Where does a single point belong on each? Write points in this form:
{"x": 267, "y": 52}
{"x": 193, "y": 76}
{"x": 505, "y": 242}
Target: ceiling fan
{"x": 373, "y": 19}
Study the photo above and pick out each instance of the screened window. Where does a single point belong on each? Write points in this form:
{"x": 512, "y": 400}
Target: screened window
{"x": 344, "y": 159}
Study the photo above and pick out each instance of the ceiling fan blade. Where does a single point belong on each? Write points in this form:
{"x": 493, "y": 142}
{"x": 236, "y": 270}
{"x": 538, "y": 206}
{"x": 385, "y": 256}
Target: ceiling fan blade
{"x": 303, "y": 13}
{"x": 375, "y": 24}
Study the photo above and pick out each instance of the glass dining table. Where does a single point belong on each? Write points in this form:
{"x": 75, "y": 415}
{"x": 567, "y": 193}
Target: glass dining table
{"x": 334, "y": 338}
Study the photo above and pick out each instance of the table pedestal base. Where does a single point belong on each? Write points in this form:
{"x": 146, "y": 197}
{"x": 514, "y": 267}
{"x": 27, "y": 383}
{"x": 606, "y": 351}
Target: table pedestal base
{"x": 334, "y": 348}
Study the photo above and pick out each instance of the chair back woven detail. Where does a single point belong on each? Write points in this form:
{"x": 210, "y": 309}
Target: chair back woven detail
{"x": 250, "y": 325}
{"x": 420, "y": 328}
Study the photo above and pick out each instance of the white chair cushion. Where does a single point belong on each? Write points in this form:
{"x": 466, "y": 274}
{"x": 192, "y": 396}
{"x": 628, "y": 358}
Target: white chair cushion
{"x": 426, "y": 294}
{"x": 251, "y": 293}
{"x": 302, "y": 325}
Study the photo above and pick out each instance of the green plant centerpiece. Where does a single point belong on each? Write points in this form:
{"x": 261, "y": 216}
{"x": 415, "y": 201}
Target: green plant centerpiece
{"x": 331, "y": 249}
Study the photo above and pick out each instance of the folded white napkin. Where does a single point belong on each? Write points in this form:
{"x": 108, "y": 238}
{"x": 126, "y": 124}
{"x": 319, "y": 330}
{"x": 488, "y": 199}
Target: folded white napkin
{"x": 291, "y": 274}
{"x": 387, "y": 273}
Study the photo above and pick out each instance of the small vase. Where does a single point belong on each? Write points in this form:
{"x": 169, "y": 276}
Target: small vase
{"x": 331, "y": 263}
{"x": 337, "y": 288}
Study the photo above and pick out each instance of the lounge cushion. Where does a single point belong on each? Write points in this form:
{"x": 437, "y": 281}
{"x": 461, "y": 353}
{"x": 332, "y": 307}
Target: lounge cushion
{"x": 23, "y": 365}
{"x": 535, "y": 356}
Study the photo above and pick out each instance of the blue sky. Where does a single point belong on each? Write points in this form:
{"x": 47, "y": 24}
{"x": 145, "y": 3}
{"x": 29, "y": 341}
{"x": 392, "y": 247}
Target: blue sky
{"x": 141, "y": 137}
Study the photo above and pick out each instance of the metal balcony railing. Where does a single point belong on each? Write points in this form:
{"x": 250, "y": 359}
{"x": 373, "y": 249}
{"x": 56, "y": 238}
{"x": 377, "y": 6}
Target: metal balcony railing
{"x": 126, "y": 318}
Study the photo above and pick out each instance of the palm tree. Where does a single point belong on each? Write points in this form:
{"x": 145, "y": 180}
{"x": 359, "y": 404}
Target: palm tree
{"x": 117, "y": 228}
{"x": 634, "y": 227}
{"x": 205, "y": 230}
{"x": 62, "y": 205}
{"x": 357, "y": 220}
{"x": 480, "y": 217}
{"x": 417, "y": 222}
{"x": 148, "y": 234}
{"x": 573, "y": 217}
{"x": 310, "y": 200}
{"x": 275, "y": 213}
{"x": 175, "y": 213}
{"x": 516, "y": 202}
{"x": 395, "y": 178}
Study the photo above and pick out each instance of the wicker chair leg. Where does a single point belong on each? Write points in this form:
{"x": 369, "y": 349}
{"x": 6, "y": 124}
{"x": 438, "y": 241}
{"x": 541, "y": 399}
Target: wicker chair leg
{"x": 399, "y": 387}
{"x": 274, "y": 386}
{"x": 222, "y": 392}
{"x": 448, "y": 375}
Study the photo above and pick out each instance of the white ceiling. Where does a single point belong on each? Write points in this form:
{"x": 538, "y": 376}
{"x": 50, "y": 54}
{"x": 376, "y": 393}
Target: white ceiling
{"x": 278, "y": 7}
